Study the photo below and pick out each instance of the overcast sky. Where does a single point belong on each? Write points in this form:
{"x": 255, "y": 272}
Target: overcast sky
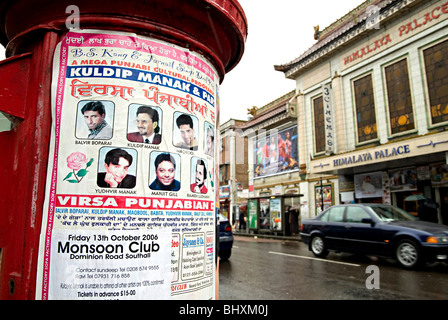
{"x": 279, "y": 32}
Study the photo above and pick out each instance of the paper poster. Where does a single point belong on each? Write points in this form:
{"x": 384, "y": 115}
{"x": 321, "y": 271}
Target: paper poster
{"x": 369, "y": 185}
{"x": 130, "y": 205}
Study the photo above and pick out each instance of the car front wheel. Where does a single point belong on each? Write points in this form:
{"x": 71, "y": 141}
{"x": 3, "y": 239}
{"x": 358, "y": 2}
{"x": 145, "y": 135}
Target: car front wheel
{"x": 407, "y": 253}
{"x": 318, "y": 247}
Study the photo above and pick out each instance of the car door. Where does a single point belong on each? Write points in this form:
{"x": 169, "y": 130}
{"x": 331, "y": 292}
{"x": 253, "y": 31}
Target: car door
{"x": 361, "y": 236}
{"x": 333, "y": 227}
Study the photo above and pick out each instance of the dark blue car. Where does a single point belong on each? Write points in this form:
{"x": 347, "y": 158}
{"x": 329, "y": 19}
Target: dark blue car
{"x": 376, "y": 229}
{"x": 225, "y": 238}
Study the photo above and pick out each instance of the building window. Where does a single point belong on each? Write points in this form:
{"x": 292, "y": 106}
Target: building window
{"x": 436, "y": 69}
{"x": 399, "y": 97}
{"x": 224, "y": 173}
{"x": 365, "y": 109}
{"x": 319, "y": 125}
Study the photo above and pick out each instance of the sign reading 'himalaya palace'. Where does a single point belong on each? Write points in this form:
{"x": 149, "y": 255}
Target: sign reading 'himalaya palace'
{"x": 370, "y": 156}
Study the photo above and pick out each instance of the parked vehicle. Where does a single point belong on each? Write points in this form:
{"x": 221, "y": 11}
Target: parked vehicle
{"x": 225, "y": 238}
{"x": 376, "y": 229}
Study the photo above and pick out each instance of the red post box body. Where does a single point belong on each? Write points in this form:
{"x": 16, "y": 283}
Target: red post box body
{"x": 212, "y": 30}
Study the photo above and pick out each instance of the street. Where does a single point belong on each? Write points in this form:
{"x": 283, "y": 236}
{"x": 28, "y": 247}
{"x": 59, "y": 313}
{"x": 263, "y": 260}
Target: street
{"x": 265, "y": 269}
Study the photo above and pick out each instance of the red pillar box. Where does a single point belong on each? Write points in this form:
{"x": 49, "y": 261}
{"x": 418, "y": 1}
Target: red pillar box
{"x": 109, "y": 180}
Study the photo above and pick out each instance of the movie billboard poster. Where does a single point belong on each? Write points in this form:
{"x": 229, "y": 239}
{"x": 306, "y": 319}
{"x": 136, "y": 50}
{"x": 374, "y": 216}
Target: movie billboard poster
{"x": 323, "y": 194}
{"x": 252, "y": 206}
{"x": 276, "y": 152}
{"x": 131, "y": 189}
{"x": 265, "y": 214}
{"x": 439, "y": 175}
{"x": 276, "y": 214}
{"x": 369, "y": 185}
{"x": 403, "y": 179}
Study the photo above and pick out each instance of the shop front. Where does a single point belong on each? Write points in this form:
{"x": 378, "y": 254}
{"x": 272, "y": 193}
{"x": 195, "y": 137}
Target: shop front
{"x": 224, "y": 200}
{"x": 408, "y": 174}
{"x": 274, "y": 214}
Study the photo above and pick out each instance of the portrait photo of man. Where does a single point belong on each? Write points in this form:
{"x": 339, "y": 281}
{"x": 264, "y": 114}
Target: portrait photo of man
{"x": 199, "y": 176}
{"x": 184, "y": 132}
{"x": 209, "y": 143}
{"x": 116, "y": 164}
{"x": 147, "y": 121}
{"x": 94, "y": 114}
{"x": 164, "y": 172}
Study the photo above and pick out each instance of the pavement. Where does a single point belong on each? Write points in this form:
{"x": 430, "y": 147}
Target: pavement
{"x": 247, "y": 233}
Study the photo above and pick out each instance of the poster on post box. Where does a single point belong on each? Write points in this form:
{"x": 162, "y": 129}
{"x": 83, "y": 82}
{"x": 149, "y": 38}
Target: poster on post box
{"x": 130, "y": 204}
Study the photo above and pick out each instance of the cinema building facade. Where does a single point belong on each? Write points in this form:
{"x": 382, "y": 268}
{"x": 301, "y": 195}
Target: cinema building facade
{"x": 274, "y": 195}
{"x": 372, "y": 107}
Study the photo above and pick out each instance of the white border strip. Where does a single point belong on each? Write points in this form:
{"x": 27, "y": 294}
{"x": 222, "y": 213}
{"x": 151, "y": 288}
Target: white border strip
{"x": 317, "y": 259}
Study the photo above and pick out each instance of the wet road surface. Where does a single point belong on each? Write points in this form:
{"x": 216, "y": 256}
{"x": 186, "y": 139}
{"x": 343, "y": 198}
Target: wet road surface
{"x": 263, "y": 269}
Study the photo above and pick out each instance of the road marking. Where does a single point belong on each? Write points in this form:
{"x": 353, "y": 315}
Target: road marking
{"x": 312, "y": 258}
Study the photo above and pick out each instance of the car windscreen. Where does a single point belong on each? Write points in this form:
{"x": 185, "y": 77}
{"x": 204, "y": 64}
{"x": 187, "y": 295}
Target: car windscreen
{"x": 390, "y": 213}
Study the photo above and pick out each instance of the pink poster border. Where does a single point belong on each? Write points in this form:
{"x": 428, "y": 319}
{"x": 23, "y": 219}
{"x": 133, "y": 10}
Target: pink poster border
{"x": 63, "y": 57}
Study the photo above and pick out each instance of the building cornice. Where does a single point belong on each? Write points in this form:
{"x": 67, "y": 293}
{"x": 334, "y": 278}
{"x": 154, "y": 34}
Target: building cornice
{"x": 345, "y": 31}
{"x": 269, "y": 114}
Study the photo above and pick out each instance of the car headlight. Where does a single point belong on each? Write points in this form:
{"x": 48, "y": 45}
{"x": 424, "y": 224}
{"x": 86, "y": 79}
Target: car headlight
{"x": 437, "y": 239}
